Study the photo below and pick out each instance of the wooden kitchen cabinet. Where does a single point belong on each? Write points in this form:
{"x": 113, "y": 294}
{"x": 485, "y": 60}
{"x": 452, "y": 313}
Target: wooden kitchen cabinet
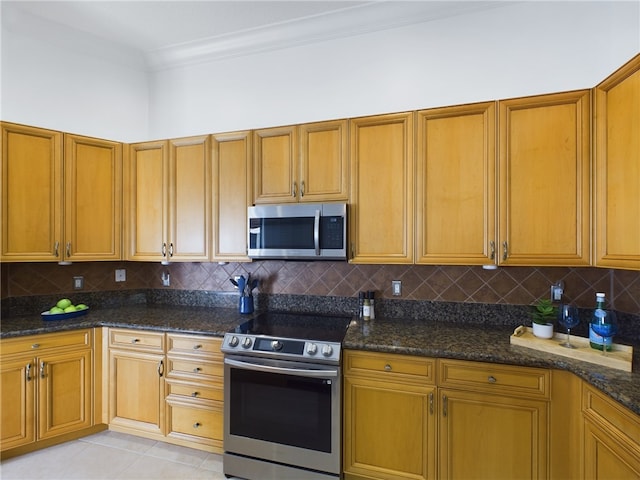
{"x": 611, "y": 437}
{"x": 46, "y": 387}
{"x": 305, "y": 163}
{"x": 389, "y": 416}
{"x": 617, "y": 168}
{"x": 61, "y": 196}
{"x": 169, "y": 200}
{"x": 544, "y": 177}
{"x": 136, "y": 382}
{"x": 232, "y": 195}
{"x": 493, "y": 421}
{"x": 195, "y": 393}
{"x": 382, "y": 185}
{"x": 455, "y": 185}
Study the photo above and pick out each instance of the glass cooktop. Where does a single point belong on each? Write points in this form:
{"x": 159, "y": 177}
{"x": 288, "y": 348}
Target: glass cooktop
{"x": 301, "y": 326}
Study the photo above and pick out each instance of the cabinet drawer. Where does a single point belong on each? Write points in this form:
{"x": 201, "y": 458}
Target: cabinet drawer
{"x": 204, "y": 421}
{"x": 47, "y": 342}
{"x": 195, "y": 391}
{"x": 391, "y": 364}
{"x": 193, "y": 345}
{"x": 194, "y": 369}
{"x": 492, "y": 378}
{"x": 610, "y": 414}
{"x": 137, "y": 340}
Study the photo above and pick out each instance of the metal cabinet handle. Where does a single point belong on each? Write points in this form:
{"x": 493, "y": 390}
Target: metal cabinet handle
{"x": 431, "y": 403}
{"x": 135, "y": 340}
{"x": 56, "y": 247}
{"x": 491, "y": 379}
{"x": 195, "y": 394}
{"x": 505, "y": 250}
{"x": 171, "y": 249}
{"x": 42, "y": 365}
{"x": 445, "y": 405}
{"x": 197, "y": 347}
{"x": 492, "y": 244}
{"x": 197, "y": 425}
{"x": 161, "y": 368}
{"x": 197, "y": 370}
{"x": 294, "y": 189}
{"x": 27, "y": 372}
{"x": 387, "y": 368}
{"x": 302, "y": 188}
{"x": 164, "y": 249}
{"x": 35, "y": 345}
{"x": 68, "y": 249}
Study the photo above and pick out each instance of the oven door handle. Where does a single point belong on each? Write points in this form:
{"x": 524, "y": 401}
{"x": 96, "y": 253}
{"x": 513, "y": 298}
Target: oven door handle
{"x": 293, "y": 371}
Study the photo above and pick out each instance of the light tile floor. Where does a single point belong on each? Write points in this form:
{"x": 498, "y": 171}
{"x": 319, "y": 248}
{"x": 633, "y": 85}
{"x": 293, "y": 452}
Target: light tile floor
{"x": 113, "y": 455}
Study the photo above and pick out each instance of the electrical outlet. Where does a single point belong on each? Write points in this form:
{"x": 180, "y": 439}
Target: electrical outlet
{"x": 557, "y": 289}
{"x": 396, "y": 288}
{"x": 121, "y": 275}
{"x": 78, "y": 283}
{"x": 166, "y": 279}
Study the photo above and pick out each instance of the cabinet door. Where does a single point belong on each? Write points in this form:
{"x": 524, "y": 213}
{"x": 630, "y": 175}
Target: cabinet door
{"x": 617, "y": 168}
{"x": 232, "y": 194}
{"x": 486, "y": 436}
{"x": 146, "y": 181}
{"x": 382, "y": 176}
{"x": 604, "y": 457}
{"x": 31, "y": 194}
{"x": 65, "y": 395}
{"x": 136, "y": 391}
{"x": 17, "y": 402}
{"x": 93, "y": 199}
{"x": 544, "y": 180}
{"x": 324, "y": 165}
{"x": 455, "y": 188}
{"x": 389, "y": 430}
{"x": 190, "y": 199}
{"x": 275, "y": 165}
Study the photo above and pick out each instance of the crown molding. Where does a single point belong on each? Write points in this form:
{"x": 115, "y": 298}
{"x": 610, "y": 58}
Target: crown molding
{"x": 357, "y": 20}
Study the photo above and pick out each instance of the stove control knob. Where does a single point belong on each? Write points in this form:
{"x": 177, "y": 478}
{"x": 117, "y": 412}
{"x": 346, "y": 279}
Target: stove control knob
{"x": 246, "y": 342}
{"x": 327, "y": 350}
{"x": 276, "y": 345}
{"x": 312, "y": 349}
{"x": 233, "y": 341}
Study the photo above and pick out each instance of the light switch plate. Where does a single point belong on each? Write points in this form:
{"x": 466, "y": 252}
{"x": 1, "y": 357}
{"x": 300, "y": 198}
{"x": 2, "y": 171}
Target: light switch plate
{"x": 121, "y": 275}
{"x": 396, "y": 288}
{"x": 78, "y": 283}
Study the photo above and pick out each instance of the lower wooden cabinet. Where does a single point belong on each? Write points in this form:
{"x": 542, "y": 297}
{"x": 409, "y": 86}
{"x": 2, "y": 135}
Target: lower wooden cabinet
{"x": 168, "y": 387}
{"x": 46, "y": 387}
{"x": 478, "y": 421}
{"x": 611, "y": 438}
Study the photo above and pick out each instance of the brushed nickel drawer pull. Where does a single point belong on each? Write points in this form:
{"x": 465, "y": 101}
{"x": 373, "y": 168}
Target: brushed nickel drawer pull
{"x": 492, "y": 379}
{"x": 197, "y": 425}
{"x": 505, "y": 250}
{"x": 68, "y": 249}
{"x": 445, "y": 405}
{"x": 42, "y": 365}
{"x": 431, "y": 403}
{"x": 135, "y": 340}
{"x": 195, "y": 394}
{"x": 27, "y": 372}
{"x": 197, "y": 347}
{"x": 387, "y": 368}
{"x": 197, "y": 370}
{"x": 35, "y": 345}
{"x": 161, "y": 368}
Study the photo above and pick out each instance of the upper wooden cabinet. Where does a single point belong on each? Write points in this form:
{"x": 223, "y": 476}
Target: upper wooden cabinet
{"x": 306, "y": 163}
{"x": 544, "y": 180}
{"x": 169, "y": 200}
{"x": 61, "y": 196}
{"x": 232, "y": 193}
{"x": 617, "y": 168}
{"x": 455, "y": 185}
{"x": 382, "y": 176}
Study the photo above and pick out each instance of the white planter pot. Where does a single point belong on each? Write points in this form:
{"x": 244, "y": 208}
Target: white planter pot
{"x": 543, "y": 331}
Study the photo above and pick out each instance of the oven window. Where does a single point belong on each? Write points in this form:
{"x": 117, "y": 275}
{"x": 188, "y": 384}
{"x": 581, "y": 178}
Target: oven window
{"x": 280, "y": 408}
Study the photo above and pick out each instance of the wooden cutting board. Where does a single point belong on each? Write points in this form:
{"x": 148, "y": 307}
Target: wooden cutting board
{"x": 621, "y": 357}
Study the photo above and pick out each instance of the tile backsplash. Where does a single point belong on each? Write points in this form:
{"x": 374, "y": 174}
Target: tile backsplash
{"x": 507, "y": 285}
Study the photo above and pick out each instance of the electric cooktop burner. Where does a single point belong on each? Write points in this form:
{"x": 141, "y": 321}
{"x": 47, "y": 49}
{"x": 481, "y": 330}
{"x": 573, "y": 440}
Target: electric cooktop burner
{"x": 289, "y": 335}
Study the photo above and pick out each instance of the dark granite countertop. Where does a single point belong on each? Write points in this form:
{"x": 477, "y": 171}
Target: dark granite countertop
{"x": 431, "y": 338}
{"x": 487, "y": 344}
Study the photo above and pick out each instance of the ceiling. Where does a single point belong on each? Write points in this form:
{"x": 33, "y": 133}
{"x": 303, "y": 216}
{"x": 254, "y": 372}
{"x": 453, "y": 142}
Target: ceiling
{"x": 167, "y": 33}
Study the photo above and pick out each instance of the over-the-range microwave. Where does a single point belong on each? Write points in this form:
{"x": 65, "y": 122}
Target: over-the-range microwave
{"x": 316, "y": 231}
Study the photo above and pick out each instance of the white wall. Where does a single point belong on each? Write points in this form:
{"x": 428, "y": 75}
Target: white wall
{"x": 68, "y": 81}
{"x": 76, "y": 84}
{"x": 515, "y": 50}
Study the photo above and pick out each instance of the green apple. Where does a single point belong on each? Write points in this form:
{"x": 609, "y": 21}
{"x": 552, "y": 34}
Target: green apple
{"x": 81, "y": 306}
{"x": 56, "y": 310}
{"x": 63, "y": 303}
{"x": 70, "y": 309}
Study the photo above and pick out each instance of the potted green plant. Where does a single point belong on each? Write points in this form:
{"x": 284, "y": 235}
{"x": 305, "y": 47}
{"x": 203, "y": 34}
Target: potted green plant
{"x": 544, "y": 312}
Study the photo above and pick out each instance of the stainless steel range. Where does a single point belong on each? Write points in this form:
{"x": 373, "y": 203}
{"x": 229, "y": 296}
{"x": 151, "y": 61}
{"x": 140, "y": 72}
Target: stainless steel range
{"x": 283, "y": 397}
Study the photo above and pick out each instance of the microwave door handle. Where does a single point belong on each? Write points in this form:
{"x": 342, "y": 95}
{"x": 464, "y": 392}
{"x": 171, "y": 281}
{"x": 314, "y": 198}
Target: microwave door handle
{"x": 291, "y": 371}
{"x": 316, "y": 232}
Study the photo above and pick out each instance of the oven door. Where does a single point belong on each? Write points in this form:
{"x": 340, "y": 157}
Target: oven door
{"x": 283, "y": 411}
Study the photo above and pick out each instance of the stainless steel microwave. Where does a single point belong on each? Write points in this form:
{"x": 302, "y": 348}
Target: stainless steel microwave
{"x": 315, "y": 231}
